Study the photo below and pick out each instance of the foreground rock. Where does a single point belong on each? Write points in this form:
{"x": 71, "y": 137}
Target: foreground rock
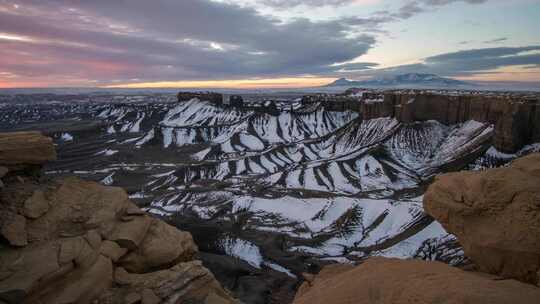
{"x": 382, "y": 280}
{"x": 496, "y": 216}
{"x": 20, "y": 150}
{"x": 73, "y": 241}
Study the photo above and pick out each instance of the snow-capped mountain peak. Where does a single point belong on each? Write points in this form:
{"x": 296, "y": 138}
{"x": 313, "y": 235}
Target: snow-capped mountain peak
{"x": 409, "y": 79}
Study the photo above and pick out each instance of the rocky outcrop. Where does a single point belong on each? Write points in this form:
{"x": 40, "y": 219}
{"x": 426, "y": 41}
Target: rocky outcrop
{"x": 20, "y": 150}
{"x": 73, "y": 241}
{"x": 495, "y": 214}
{"x": 215, "y": 98}
{"x": 382, "y": 280}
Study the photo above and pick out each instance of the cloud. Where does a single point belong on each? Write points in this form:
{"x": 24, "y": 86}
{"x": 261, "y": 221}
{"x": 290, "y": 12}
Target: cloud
{"x": 412, "y": 8}
{"x": 446, "y": 2}
{"x": 403, "y": 12}
{"x": 355, "y": 67}
{"x": 189, "y": 39}
{"x": 467, "y": 62}
{"x": 281, "y": 4}
{"x": 284, "y": 4}
{"x": 497, "y": 40}
{"x": 104, "y": 42}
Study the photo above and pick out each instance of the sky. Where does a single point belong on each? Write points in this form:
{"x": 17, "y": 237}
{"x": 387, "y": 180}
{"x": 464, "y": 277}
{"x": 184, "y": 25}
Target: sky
{"x": 263, "y": 43}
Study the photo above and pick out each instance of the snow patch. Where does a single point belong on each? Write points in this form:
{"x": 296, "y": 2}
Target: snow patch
{"x": 66, "y": 137}
{"x": 243, "y": 250}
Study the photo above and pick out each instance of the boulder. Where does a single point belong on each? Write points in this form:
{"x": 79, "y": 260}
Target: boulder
{"x": 78, "y": 206}
{"x": 184, "y": 282}
{"x": 112, "y": 250}
{"x": 213, "y": 298}
{"x": 79, "y": 232}
{"x": 36, "y": 205}
{"x": 18, "y": 149}
{"x": 129, "y": 234}
{"x": 381, "y": 280}
{"x": 162, "y": 245}
{"x": 132, "y": 298}
{"x": 149, "y": 297}
{"x": 82, "y": 285}
{"x": 13, "y": 228}
{"x": 22, "y": 269}
{"x": 495, "y": 214}
{"x": 78, "y": 251}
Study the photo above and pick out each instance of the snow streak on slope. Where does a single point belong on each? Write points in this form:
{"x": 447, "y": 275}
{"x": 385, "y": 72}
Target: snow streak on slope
{"x": 494, "y": 158}
{"x": 231, "y": 130}
{"x": 196, "y": 113}
{"x": 427, "y": 147}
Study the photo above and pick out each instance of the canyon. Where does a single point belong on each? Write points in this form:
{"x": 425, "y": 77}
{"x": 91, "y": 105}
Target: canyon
{"x": 275, "y": 188}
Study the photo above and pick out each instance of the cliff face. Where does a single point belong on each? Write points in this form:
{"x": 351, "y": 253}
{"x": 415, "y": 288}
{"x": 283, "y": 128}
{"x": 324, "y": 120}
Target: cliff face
{"x": 516, "y": 120}
{"x": 73, "y": 241}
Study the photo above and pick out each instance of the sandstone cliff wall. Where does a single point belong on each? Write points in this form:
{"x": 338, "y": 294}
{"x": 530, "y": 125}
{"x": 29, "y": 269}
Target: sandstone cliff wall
{"x": 516, "y": 120}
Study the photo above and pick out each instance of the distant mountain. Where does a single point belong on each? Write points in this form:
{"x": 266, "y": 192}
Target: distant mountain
{"x": 411, "y": 79}
{"x": 343, "y": 82}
